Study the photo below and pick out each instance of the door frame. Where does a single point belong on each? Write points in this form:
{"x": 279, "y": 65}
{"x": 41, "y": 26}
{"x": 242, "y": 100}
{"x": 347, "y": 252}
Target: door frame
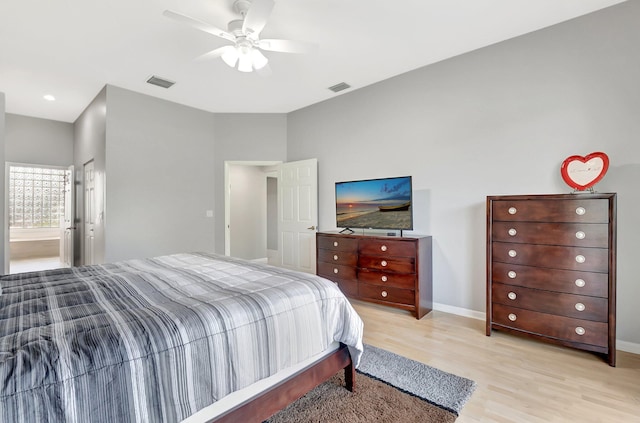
{"x": 7, "y": 232}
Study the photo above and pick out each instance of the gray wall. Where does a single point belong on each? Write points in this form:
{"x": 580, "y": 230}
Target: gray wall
{"x": 90, "y": 144}
{"x": 38, "y": 141}
{"x": 244, "y": 137}
{"x": 161, "y": 174}
{"x": 499, "y": 120}
{"x": 165, "y": 167}
{"x": 5, "y": 243}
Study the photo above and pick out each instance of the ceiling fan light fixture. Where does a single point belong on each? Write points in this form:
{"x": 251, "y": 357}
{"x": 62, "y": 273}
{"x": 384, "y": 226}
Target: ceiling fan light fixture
{"x": 245, "y": 62}
{"x": 230, "y": 56}
{"x": 245, "y": 53}
{"x": 259, "y": 60}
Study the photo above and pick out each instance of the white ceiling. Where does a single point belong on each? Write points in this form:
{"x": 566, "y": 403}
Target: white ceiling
{"x": 72, "y": 48}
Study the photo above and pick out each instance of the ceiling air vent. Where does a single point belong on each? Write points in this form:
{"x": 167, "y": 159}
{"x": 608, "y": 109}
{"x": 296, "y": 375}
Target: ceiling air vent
{"x": 339, "y": 87}
{"x": 160, "y": 82}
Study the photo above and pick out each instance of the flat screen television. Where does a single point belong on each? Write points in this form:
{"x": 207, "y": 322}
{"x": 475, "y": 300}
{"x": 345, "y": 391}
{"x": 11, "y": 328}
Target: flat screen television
{"x": 384, "y": 203}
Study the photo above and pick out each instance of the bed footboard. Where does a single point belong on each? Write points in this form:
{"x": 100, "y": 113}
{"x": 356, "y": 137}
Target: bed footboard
{"x": 289, "y": 390}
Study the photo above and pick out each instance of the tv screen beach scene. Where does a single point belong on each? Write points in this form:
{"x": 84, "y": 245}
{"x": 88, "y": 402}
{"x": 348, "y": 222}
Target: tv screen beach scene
{"x": 374, "y": 204}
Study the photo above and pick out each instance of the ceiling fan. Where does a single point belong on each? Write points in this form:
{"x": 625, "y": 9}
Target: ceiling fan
{"x": 244, "y": 33}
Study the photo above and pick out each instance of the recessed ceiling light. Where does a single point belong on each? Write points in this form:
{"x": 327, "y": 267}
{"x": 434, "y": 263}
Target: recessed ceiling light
{"x": 49, "y": 97}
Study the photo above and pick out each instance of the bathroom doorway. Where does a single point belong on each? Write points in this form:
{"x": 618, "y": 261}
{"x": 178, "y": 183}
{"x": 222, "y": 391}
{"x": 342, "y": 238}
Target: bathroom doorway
{"x": 36, "y": 215}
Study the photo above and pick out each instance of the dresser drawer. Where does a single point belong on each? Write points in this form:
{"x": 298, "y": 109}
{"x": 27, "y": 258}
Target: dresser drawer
{"x": 579, "y": 210}
{"x": 388, "y": 264}
{"x": 349, "y": 258}
{"x": 385, "y": 293}
{"x": 387, "y": 248}
{"x": 569, "y": 281}
{"x": 336, "y": 272}
{"x": 398, "y": 280}
{"x": 574, "y": 234}
{"x": 337, "y": 243}
{"x": 569, "y": 305}
{"x": 557, "y": 257}
{"x": 558, "y": 327}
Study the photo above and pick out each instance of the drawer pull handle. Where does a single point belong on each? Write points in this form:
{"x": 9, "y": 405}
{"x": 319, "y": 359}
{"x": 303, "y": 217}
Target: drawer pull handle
{"x": 512, "y": 317}
{"x": 512, "y": 253}
{"x": 384, "y": 278}
{"x": 384, "y": 294}
{"x": 512, "y": 295}
{"x": 383, "y": 248}
{"x": 383, "y": 263}
{"x": 580, "y": 283}
{"x": 580, "y": 307}
{"x": 335, "y": 257}
{"x": 580, "y": 258}
{"x": 512, "y": 274}
{"x": 580, "y": 330}
{"x": 513, "y": 210}
{"x": 580, "y": 211}
{"x": 335, "y": 270}
{"x": 335, "y": 243}
{"x": 580, "y": 235}
{"x": 512, "y": 232}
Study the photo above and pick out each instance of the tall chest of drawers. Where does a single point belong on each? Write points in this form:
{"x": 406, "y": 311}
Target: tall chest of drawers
{"x": 551, "y": 269}
{"x": 384, "y": 270}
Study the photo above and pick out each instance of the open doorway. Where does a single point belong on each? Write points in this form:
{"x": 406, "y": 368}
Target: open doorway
{"x": 36, "y": 216}
{"x": 271, "y": 212}
{"x": 251, "y": 210}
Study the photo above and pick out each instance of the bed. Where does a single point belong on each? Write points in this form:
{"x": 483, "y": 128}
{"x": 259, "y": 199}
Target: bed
{"x": 157, "y": 340}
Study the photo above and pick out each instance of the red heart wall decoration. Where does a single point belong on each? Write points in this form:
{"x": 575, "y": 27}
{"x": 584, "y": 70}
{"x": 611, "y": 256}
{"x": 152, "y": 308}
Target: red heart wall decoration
{"x": 581, "y": 173}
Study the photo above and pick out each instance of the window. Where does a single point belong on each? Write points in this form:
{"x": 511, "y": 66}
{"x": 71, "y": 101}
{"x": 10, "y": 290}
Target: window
{"x": 36, "y": 197}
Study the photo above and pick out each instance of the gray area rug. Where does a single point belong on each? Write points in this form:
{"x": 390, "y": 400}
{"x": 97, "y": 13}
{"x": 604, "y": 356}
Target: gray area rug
{"x": 439, "y": 388}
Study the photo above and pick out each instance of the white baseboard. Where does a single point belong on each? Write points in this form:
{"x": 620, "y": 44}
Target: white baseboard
{"x": 459, "y": 311}
{"x": 260, "y": 260}
{"x": 630, "y": 347}
{"x": 273, "y": 257}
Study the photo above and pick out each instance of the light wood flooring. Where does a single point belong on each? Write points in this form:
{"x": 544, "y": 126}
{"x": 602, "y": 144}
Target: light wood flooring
{"x": 518, "y": 380}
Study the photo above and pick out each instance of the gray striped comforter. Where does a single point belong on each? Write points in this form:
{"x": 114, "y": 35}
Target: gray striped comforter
{"x": 156, "y": 340}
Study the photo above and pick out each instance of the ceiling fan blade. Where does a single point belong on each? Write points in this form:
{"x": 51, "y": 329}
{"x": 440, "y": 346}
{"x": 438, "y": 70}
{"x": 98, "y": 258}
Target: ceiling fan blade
{"x": 257, "y": 15}
{"x": 214, "y": 53}
{"x": 202, "y": 26}
{"x": 287, "y": 46}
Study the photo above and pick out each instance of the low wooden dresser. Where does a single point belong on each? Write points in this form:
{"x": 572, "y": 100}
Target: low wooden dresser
{"x": 394, "y": 271}
{"x": 551, "y": 269}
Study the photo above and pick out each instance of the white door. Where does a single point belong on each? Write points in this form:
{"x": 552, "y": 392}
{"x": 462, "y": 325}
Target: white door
{"x": 89, "y": 213}
{"x": 298, "y": 214}
{"x": 68, "y": 220}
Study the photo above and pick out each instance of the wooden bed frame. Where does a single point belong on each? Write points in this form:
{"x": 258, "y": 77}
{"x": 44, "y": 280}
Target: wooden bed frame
{"x": 276, "y": 398}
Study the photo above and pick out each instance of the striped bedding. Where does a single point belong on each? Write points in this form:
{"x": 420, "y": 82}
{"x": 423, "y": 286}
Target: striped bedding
{"x": 155, "y": 340}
